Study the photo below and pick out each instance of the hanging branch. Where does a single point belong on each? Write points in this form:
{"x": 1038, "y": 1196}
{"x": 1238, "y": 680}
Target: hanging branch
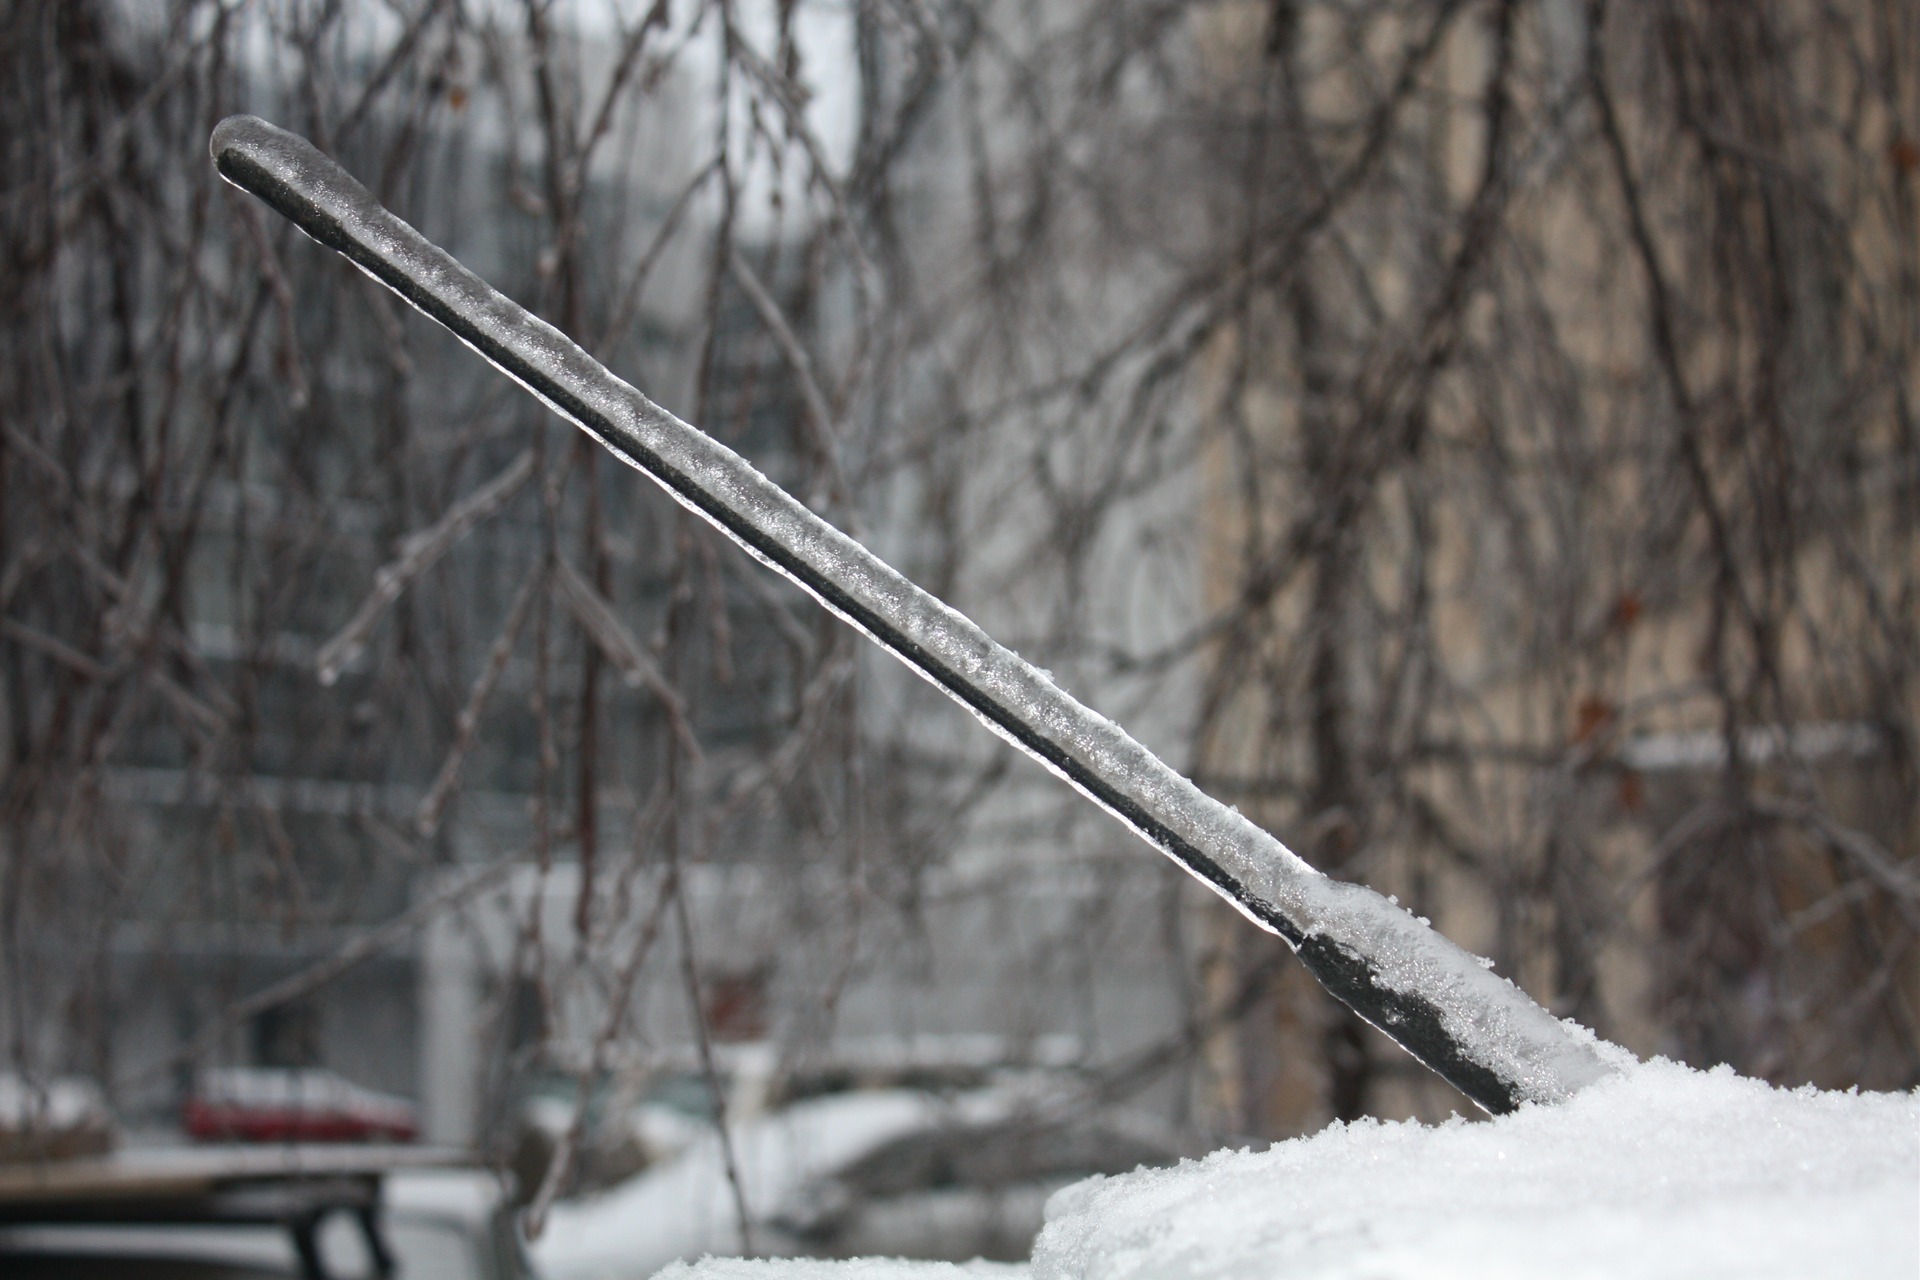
{"x": 426, "y": 818}
{"x": 623, "y": 649}
{"x": 418, "y": 553}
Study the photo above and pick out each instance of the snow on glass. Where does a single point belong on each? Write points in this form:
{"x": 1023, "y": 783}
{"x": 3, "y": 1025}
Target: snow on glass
{"x": 1441, "y": 1003}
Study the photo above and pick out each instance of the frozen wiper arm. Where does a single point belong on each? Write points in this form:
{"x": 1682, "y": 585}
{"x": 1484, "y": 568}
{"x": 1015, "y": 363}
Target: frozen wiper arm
{"x": 1442, "y": 1004}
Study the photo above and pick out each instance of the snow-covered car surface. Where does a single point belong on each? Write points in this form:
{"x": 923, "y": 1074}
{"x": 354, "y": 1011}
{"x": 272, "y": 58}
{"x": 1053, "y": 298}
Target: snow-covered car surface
{"x": 899, "y": 1172}
{"x": 1662, "y": 1173}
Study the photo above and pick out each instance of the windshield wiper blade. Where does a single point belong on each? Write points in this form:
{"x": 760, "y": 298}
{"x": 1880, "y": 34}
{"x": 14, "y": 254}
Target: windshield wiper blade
{"x": 1440, "y": 1003}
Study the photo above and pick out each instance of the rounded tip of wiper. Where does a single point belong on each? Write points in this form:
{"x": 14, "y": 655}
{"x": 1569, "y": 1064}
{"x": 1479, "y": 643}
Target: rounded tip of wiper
{"x": 241, "y": 133}
{"x": 293, "y": 176}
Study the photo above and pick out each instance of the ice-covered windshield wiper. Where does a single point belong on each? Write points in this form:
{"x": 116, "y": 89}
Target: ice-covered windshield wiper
{"x": 1439, "y": 1002}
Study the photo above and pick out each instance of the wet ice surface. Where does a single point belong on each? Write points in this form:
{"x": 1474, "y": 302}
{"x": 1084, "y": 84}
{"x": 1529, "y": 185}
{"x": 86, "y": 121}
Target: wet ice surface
{"x": 1656, "y": 1173}
{"x": 1492, "y": 1023}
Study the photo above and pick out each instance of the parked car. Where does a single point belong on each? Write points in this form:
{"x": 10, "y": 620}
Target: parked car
{"x": 902, "y": 1173}
{"x": 57, "y": 1119}
{"x": 252, "y": 1213}
{"x": 636, "y": 1120}
{"x": 273, "y": 1104}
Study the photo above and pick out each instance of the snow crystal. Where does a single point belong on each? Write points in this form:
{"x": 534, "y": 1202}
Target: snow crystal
{"x": 1656, "y": 1172}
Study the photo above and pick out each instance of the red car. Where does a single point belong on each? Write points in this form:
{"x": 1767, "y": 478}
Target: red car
{"x": 261, "y": 1104}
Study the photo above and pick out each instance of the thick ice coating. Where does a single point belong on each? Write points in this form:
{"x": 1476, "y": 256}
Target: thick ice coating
{"x": 1473, "y": 1027}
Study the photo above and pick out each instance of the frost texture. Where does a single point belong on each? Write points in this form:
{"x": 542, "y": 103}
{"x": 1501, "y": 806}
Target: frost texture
{"x": 1657, "y": 1172}
{"x": 1488, "y": 1022}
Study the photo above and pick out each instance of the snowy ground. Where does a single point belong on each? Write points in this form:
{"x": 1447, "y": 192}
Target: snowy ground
{"x": 1660, "y": 1172}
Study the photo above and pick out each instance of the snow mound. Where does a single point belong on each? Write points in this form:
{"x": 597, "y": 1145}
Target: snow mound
{"x": 1659, "y": 1172}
